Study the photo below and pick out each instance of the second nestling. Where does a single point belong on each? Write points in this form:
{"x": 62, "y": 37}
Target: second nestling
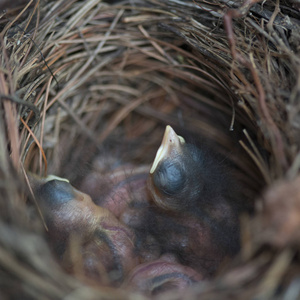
{"x": 195, "y": 217}
{"x": 88, "y": 239}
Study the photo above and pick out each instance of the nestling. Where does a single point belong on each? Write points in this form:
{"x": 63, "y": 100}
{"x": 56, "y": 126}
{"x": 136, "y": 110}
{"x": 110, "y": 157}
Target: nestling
{"x": 87, "y": 238}
{"x": 196, "y": 217}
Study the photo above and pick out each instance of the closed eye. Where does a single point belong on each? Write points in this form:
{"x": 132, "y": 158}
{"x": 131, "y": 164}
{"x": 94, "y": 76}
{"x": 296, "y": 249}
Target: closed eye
{"x": 169, "y": 178}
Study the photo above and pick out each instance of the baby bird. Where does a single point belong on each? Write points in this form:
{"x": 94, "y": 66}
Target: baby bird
{"x": 195, "y": 216}
{"x": 85, "y": 237}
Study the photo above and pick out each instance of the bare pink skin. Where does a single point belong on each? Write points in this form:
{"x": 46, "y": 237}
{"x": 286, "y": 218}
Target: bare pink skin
{"x": 132, "y": 189}
{"x": 116, "y": 191}
{"x": 161, "y": 275}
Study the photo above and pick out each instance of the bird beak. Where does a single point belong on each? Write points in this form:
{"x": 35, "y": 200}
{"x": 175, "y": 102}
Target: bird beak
{"x": 36, "y": 181}
{"x": 171, "y": 141}
{"x": 53, "y": 177}
{"x": 54, "y": 193}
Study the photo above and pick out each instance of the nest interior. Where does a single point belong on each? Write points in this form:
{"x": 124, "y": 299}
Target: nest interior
{"x": 99, "y": 80}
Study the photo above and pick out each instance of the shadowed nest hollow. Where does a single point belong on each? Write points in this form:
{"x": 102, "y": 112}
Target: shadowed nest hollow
{"x": 88, "y": 85}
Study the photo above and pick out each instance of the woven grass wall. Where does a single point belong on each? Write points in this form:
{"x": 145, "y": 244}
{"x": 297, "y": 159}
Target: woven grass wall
{"x": 83, "y": 81}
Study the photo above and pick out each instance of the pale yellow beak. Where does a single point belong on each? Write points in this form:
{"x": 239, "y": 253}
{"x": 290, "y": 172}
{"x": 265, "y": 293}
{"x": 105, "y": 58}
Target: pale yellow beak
{"x": 53, "y": 177}
{"x": 170, "y": 141}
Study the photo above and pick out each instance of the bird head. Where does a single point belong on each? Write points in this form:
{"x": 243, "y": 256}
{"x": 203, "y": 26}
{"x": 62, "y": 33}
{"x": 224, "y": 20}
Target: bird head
{"x": 176, "y": 176}
{"x": 65, "y": 208}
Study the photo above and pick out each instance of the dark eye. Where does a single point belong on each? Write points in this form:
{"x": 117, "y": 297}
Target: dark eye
{"x": 169, "y": 178}
{"x": 56, "y": 192}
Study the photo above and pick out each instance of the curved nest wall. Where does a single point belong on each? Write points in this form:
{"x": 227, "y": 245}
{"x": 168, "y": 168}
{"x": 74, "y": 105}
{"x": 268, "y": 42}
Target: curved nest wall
{"x": 91, "y": 84}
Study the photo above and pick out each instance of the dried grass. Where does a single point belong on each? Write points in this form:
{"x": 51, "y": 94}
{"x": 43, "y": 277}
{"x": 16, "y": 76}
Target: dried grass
{"x": 77, "y": 76}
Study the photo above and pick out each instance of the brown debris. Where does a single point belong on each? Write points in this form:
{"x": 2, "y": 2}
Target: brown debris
{"x": 280, "y": 218}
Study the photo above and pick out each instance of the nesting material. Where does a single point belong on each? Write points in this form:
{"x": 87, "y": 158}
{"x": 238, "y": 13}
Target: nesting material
{"x": 88, "y": 86}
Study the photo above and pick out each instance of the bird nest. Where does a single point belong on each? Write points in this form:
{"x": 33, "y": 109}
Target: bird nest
{"x": 88, "y": 85}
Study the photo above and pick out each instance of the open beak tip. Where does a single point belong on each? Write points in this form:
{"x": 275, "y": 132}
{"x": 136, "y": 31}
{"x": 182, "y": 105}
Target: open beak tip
{"x": 169, "y": 135}
{"x": 170, "y": 140}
